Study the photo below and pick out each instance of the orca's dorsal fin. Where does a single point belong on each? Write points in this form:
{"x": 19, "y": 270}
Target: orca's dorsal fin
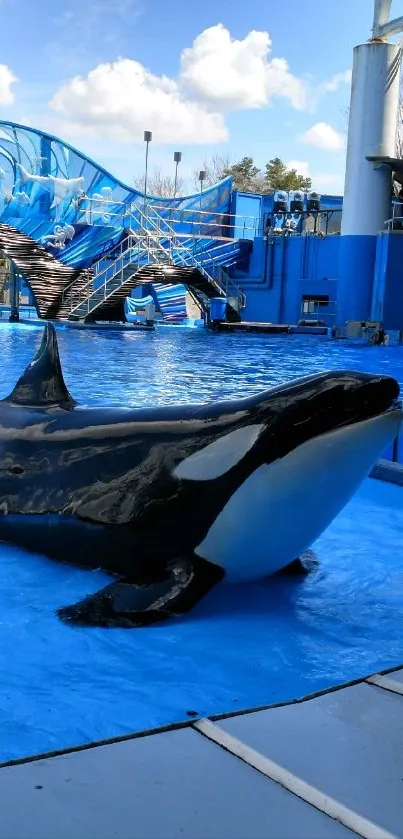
{"x": 42, "y": 384}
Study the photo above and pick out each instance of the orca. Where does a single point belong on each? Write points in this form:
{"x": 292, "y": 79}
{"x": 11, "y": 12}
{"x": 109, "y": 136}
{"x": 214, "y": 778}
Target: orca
{"x": 170, "y": 500}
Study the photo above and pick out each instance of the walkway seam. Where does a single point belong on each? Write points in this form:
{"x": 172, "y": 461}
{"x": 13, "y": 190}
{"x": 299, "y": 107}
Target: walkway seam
{"x": 387, "y": 684}
{"x": 297, "y": 786}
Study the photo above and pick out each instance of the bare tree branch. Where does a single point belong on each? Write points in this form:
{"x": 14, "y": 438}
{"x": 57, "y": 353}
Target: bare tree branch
{"x": 159, "y": 184}
{"x": 215, "y": 168}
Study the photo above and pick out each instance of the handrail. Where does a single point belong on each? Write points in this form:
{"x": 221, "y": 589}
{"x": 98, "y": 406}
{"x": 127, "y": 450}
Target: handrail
{"x": 234, "y": 221}
{"x": 124, "y": 247}
{"x": 199, "y": 212}
{"x": 395, "y": 216}
{"x": 315, "y": 310}
{"x": 97, "y": 207}
{"x": 82, "y": 287}
{"x": 175, "y": 243}
{"x": 148, "y": 247}
{"x": 68, "y": 287}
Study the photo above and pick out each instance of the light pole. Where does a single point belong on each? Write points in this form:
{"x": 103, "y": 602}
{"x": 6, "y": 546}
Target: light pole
{"x": 147, "y": 139}
{"x": 14, "y": 278}
{"x": 202, "y": 178}
{"x": 177, "y": 159}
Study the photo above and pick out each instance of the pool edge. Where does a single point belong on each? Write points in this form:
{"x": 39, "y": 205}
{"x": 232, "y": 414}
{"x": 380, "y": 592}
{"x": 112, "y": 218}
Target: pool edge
{"x": 189, "y": 723}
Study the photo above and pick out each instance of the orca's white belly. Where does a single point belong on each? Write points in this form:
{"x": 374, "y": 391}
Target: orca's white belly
{"x": 284, "y": 506}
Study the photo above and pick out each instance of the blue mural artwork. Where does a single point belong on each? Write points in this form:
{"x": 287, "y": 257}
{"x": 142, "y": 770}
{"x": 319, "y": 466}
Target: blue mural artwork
{"x": 72, "y": 206}
{"x": 79, "y": 212}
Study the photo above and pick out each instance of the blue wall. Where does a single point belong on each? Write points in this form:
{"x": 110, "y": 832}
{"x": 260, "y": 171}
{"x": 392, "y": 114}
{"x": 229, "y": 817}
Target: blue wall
{"x": 387, "y": 298}
{"x": 250, "y": 207}
{"x": 255, "y": 208}
{"x": 361, "y": 275}
{"x": 356, "y": 272}
{"x": 283, "y": 269}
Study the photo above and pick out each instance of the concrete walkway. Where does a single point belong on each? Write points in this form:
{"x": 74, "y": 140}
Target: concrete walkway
{"x": 329, "y": 766}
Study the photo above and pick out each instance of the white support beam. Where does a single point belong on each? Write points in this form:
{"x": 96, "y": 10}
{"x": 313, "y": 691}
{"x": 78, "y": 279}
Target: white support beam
{"x": 381, "y": 14}
{"x": 390, "y": 28}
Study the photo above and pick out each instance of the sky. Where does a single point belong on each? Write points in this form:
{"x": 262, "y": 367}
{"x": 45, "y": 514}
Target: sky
{"x": 262, "y": 78}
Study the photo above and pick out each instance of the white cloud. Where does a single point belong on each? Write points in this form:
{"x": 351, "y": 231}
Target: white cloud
{"x": 337, "y": 81}
{"x": 300, "y": 166}
{"x": 7, "y": 78}
{"x": 323, "y": 136}
{"x": 236, "y": 74}
{"x": 119, "y": 100}
{"x": 325, "y": 182}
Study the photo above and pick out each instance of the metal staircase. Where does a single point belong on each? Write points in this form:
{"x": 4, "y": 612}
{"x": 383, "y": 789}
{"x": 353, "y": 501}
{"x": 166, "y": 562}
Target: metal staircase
{"x": 151, "y": 252}
{"x": 46, "y": 276}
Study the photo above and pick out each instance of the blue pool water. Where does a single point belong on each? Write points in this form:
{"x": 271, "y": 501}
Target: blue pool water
{"x": 242, "y": 646}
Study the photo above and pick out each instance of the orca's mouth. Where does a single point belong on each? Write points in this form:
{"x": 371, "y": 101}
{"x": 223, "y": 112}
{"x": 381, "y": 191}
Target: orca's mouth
{"x": 348, "y": 400}
{"x": 396, "y": 407}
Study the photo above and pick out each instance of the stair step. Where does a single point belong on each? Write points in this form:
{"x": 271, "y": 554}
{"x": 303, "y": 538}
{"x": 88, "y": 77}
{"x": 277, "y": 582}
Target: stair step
{"x": 130, "y": 273}
{"x": 47, "y": 277}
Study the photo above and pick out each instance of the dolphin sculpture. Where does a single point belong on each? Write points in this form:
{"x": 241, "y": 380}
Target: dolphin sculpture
{"x": 172, "y": 499}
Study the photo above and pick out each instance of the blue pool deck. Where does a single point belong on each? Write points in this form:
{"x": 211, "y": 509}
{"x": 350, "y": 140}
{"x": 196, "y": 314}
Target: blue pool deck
{"x": 323, "y": 767}
{"x": 327, "y": 765}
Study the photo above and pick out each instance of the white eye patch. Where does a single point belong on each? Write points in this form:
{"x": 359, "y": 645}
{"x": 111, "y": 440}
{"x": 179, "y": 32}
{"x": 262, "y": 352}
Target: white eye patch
{"x": 217, "y": 458}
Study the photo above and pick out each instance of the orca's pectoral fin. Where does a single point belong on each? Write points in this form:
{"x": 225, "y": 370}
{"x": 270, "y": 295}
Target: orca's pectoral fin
{"x": 305, "y": 564}
{"x": 128, "y": 604}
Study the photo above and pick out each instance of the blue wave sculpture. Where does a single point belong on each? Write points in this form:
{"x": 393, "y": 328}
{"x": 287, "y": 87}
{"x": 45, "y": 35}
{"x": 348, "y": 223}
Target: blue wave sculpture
{"x": 44, "y": 187}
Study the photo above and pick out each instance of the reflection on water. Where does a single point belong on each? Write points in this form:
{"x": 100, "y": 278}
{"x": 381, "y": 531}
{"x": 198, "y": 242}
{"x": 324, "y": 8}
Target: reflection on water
{"x": 185, "y": 365}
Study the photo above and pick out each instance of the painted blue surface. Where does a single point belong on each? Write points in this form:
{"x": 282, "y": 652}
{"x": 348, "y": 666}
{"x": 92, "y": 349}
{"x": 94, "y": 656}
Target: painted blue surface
{"x": 171, "y": 301}
{"x": 331, "y": 202}
{"x": 281, "y": 270}
{"x": 218, "y": 307}
{"x": 356, "y": 277}
{"x": 242, "y": 646}
{"x": 387, "y": 300}
{"x": 380, "y": 278}
{"x": 249, "y": 207}
{"x": 35, "y": 208}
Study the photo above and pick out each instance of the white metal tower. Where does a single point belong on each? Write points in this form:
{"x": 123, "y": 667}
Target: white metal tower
{"x": 371, "y": 136}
